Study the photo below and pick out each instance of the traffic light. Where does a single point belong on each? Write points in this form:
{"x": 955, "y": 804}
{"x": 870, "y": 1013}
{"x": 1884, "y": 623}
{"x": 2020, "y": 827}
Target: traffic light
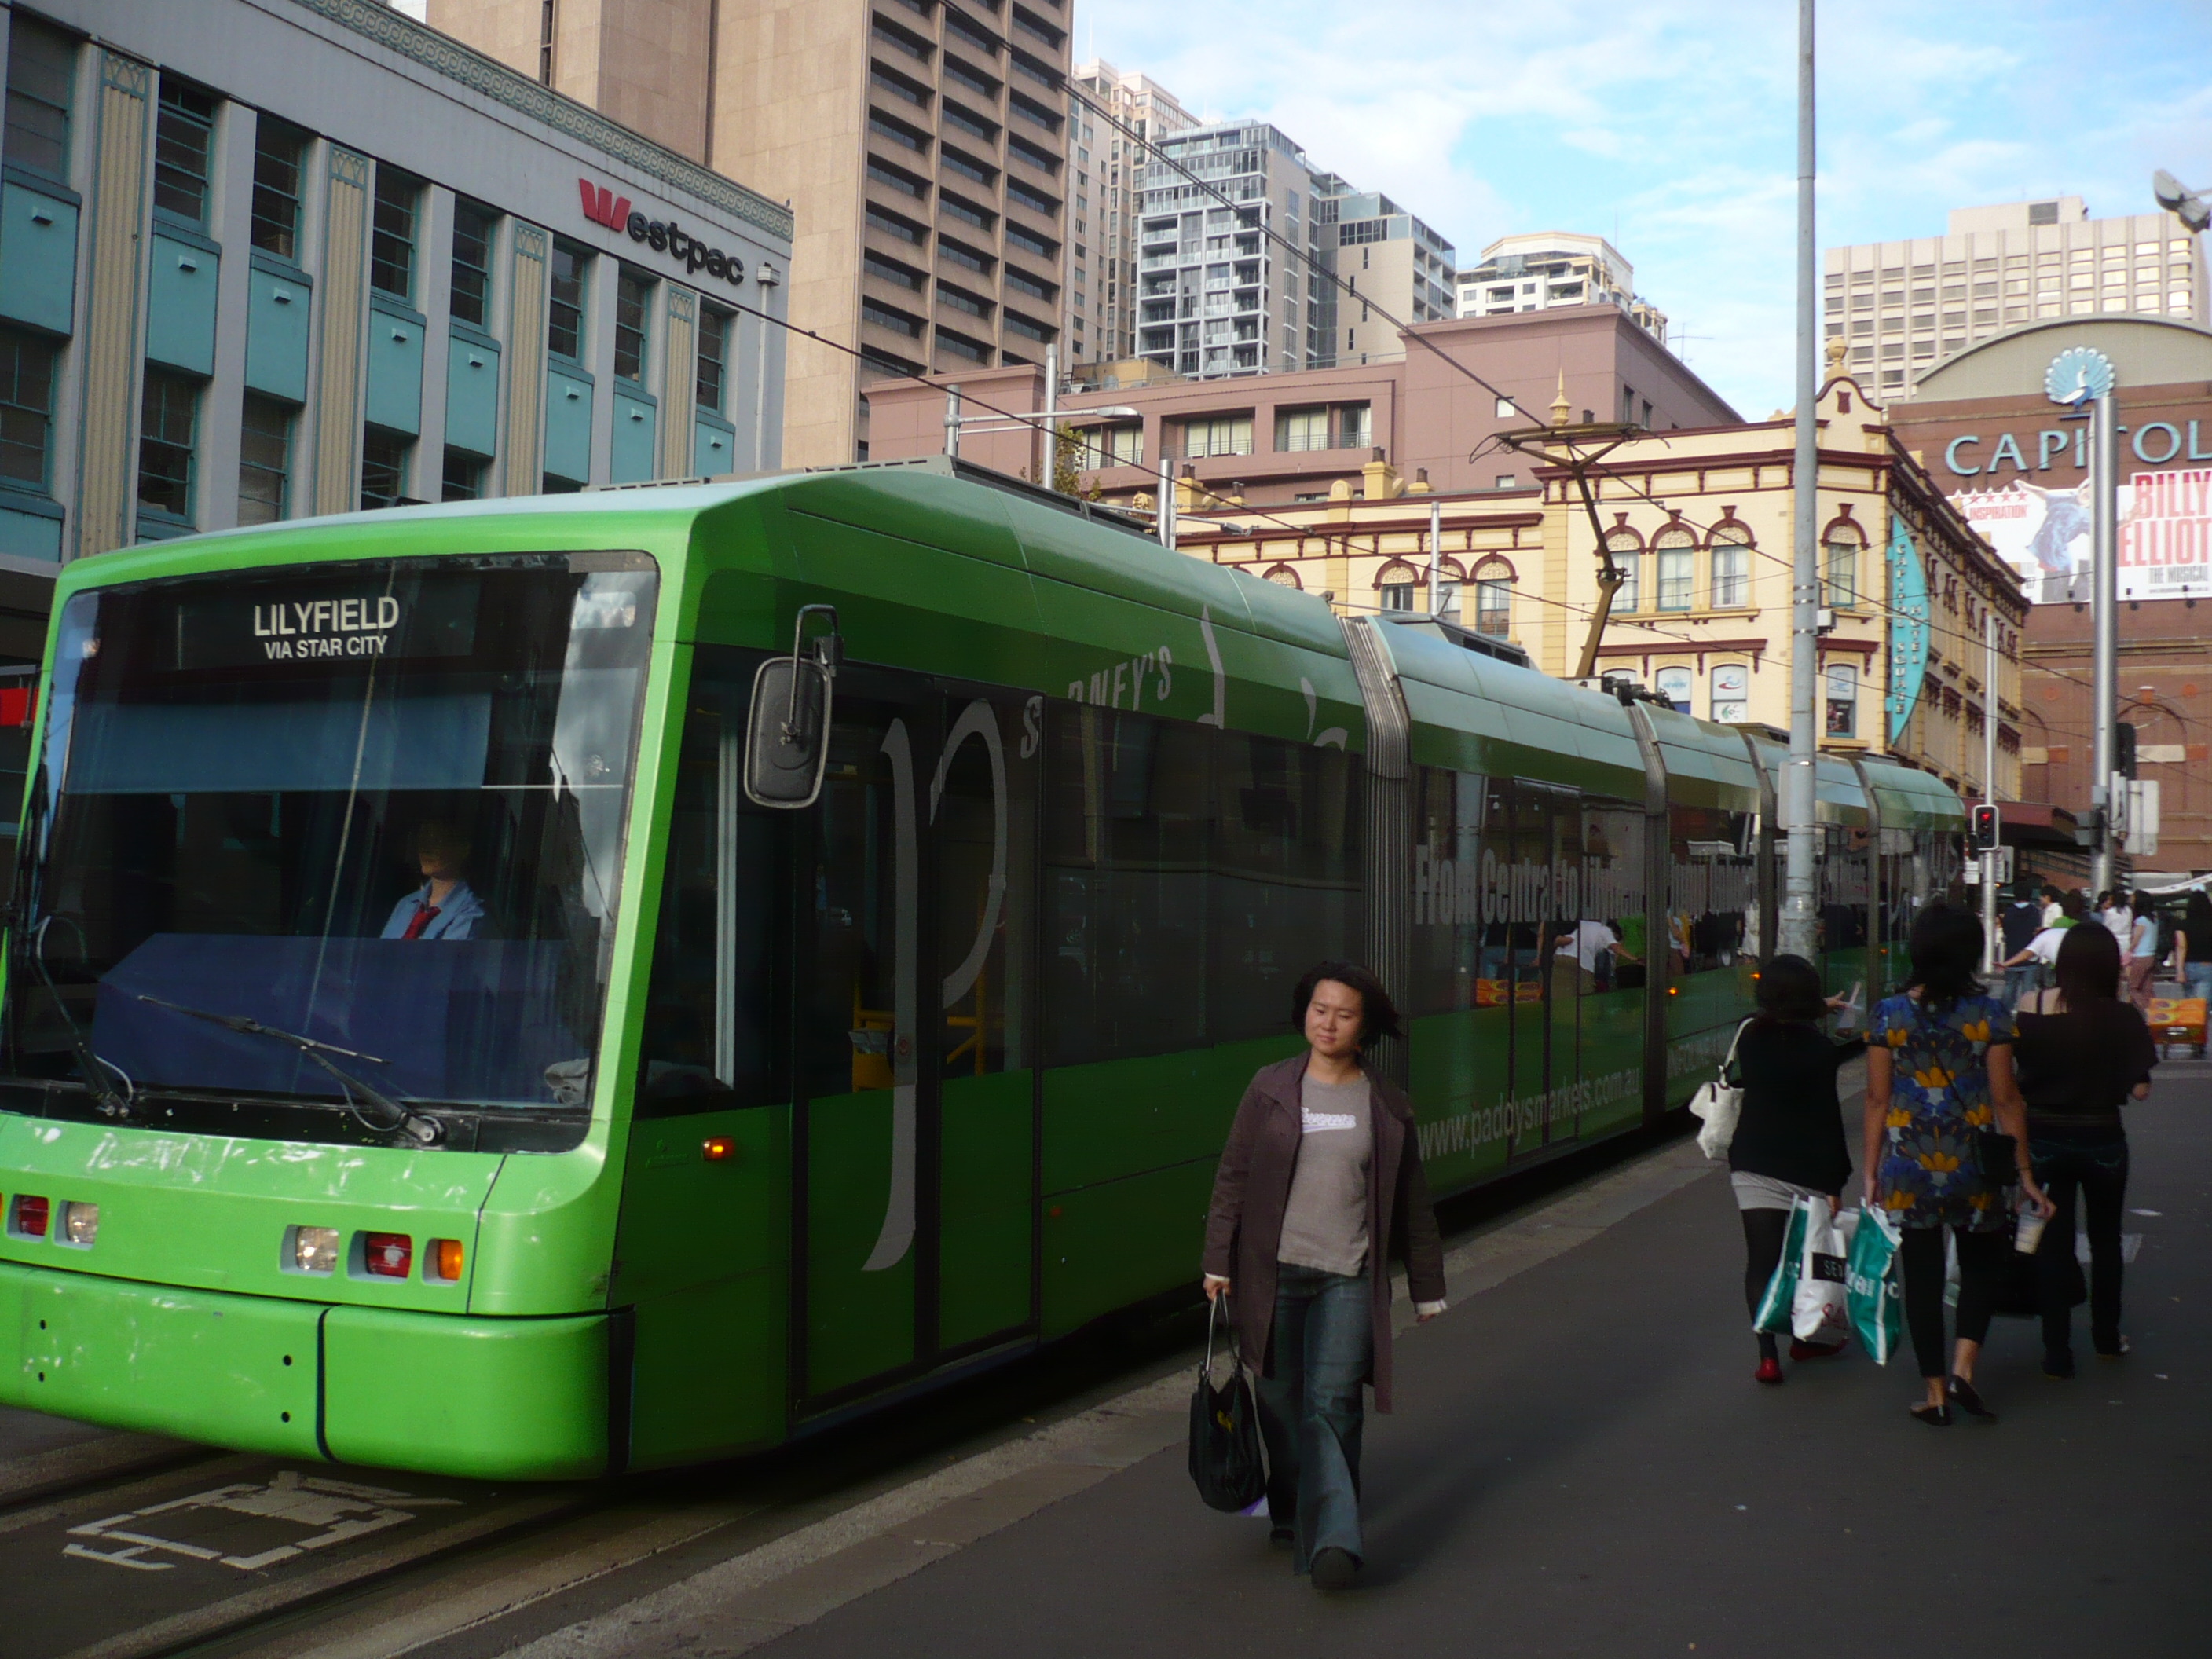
{"x": 1985, "y": 832}
{"x": 2124, "y": 749}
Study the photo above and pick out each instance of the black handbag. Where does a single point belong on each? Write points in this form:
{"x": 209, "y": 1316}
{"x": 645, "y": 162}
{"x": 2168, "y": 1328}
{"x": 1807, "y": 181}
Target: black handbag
{"x": 1226, "y": 1463}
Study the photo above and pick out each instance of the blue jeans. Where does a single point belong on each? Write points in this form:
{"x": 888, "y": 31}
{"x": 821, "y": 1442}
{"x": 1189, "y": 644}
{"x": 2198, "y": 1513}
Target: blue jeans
{"x": 2199, "y": 977}
{"x": 2019, "y": 982}
{"x": 1311, "y": 1410}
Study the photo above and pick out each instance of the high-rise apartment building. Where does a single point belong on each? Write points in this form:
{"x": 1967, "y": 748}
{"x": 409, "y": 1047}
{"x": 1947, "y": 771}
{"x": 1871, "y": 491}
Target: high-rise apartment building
{"x": 1099, "y": 324}
{"x": 1540, "y": 269}
{"x": 1904, "y": 307}
{"x": 1219, "y": 295}
{"x": 921, "y": 144}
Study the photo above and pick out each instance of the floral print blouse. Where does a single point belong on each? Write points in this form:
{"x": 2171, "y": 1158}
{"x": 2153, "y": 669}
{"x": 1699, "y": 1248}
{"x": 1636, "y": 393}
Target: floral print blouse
{"x": 1939, "y": 1096}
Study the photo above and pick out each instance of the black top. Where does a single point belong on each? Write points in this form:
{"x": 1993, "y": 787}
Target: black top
{"x": 2021, "y": 923}
{"x": 2076, "y": 1068}
{"x": 1791, "y": 1128}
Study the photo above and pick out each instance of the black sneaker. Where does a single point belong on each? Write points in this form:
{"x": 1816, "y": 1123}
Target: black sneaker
{"x": 1334, "y": 1569}
{"x": 2059, "y": 1366}
{"x": 1282, "y": 1537}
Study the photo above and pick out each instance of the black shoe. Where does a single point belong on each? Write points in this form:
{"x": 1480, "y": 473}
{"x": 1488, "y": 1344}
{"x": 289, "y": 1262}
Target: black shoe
{"x": 2059, "y": 1366}
{"x": 1334, "y": 1569}
{"x": 1961, "y": 1394}
{"x": 1936, "y": 1416}
{"x": 2119, "y": 1350}
{"x": 1282, "y": 1537}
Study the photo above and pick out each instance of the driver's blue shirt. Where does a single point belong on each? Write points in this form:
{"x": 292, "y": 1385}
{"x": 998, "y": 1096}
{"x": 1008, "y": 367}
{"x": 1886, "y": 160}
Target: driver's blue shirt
{"x": 456, "y": 917}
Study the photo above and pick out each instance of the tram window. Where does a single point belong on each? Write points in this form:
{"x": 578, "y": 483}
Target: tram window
{"x": 1712, "y": 895}
{"x": 716, "y": 1008}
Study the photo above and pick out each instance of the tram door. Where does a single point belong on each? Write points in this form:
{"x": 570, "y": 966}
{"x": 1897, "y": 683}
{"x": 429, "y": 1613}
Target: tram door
{"x": 915, "y": 1135}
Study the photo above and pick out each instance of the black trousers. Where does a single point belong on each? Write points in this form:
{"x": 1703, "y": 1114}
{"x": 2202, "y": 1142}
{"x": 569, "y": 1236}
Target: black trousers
{"x": 1981, "y": 1260}
{"x": 1763, "y": 1233}
{"x": 2096, "y": 1166}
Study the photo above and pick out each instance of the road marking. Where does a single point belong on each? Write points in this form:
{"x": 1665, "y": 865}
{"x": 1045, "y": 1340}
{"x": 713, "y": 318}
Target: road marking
{"x": 789, "y": 1581}
{"x": 342, "y": 1509}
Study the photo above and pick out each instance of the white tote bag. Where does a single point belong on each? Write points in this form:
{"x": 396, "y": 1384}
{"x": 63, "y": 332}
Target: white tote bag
{"x": 1716, "y": 1104}
{"x": 1820, "y": 1311}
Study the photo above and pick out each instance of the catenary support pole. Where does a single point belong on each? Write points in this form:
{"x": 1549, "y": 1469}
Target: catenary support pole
{"x": 1795, "y": 934}
{"x": 1051, "y": 467}
{"x": 1165, "y": 520}
{"x": 1990, "y": 954}
{"x": 953, "y": 422}
{"x": 1436, "y": 555}
{"x": 2104, "y": 546}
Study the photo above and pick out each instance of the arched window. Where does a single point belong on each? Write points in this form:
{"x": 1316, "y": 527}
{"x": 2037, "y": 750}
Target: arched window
{"x": 1731, "y": 691}
{"x": 1677, "y": 551}
{"x": 1395, "y": 585}
{"x": 1627, "y": 548}
{"x": 1284, "y": 576}
{"x": 1731, "y": 565}
{"x": 1839, "y": 565}
{"x": 1843, "y": 700}
{"x": 1673, "y": 683}
{"x": 1493, "y": 598}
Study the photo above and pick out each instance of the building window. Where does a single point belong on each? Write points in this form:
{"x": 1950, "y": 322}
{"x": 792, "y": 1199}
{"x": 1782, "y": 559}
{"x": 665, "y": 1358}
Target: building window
{"x": 26, "y": 403}
{"x": 1218, "y": 434}
{"x": 1843, "y": 700}
{"x": 472, "y": 282}
{"x": 633, "y": 302}
{"x": 1839, "y": 567}
{"x": 1731, "y": 692}
{"x": 463, "y": 476}
{"x": 1731, "y": 565}
{"x": 391, "y": 239}
{"x": 1124, "y": 445}
{"x": 1625, "y": 550}
{"x": 279, "y": 151}
{"x": 182, "y": 132}
{"x": 1396, "y": 595}
{"x": 1677, "y": 553}
{"x": 554, "y": 485}
{"x": 714, "y": 357}
{"x": 383, "y": 468}
{"x": 1674, "y": 685}
{"x": 1355, "y": 426}
{"x": 42, "y": 71}
{"x": 1493, "y": 598}
{"x": 265, "y": 460}
{"x": 564, "y": 315}
{"x": 1298, "y": 431}
{"x": 169, "y": 412}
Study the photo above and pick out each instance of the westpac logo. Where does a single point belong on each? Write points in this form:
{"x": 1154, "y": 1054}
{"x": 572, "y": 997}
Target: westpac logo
{"x": 603, "y": 207}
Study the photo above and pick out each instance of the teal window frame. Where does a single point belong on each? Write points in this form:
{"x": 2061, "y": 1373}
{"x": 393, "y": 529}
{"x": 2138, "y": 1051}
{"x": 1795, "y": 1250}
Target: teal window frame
{"x": 41, "y": 88}
{"x": 26, "y": 408}
{"x": 396, "y": 222}
{"x": 264, "y": 459}
{"x": 384, "y": 456}
{"x": 564, "y": 316}
{"x": 280, "y": 151}
{"x": 184, "y": 153}
{"x": 462, "y": 476}
{"x": 474, "y": 226}
{"x": 711, "y": 379}
{"x": 633, "y": 324}
{"x": 168, "y": 445}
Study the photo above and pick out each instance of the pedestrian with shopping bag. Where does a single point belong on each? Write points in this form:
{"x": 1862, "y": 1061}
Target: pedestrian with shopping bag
{"x": 2083, "y": 1052}
{"x": 1789, "y": 1143}
{"x": 1320, "y": 1184}
{"x": 1946, "y": 1135}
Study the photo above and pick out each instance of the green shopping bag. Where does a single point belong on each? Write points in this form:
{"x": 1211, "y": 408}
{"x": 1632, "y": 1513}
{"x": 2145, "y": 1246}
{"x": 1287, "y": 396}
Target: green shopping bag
{"x": 1877, "y": 1307}
{"x": 1781, "y": 1294}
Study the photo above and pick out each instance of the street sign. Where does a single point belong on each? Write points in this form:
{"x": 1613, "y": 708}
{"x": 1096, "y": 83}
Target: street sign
{"x": 2001, "y": 857}
{"x": 2142, "y": 833}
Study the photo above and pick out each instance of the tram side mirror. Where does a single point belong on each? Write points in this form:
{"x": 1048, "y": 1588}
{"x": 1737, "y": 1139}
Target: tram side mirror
{"x": 787, "y": 730}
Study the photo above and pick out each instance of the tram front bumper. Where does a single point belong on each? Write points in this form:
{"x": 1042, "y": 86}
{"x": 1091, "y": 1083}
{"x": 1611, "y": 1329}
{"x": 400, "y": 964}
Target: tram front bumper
{"x": 491, "y": 1399}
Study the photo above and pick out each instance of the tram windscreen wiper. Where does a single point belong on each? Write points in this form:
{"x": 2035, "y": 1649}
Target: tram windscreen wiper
{"x": 425, "y": 1130}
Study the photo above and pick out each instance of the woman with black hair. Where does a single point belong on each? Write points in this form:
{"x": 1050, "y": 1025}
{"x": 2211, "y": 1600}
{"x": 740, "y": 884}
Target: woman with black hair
{"x": 1939, "y": 1078}
{"x": 2082, "y": 1052}
{"x": 1320, "y": 1182}
{"x": 1789, "y": 1141}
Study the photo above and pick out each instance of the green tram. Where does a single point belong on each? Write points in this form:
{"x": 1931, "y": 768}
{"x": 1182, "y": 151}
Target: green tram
{"x": 683, "y": 1123}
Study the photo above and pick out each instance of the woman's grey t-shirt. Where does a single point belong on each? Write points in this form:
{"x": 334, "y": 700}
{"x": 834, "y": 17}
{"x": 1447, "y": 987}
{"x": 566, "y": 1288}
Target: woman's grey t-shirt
{"x": 1325, "y": 1222}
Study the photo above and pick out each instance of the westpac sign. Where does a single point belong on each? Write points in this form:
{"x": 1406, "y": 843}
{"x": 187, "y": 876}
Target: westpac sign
{"x": 603, "y": 207}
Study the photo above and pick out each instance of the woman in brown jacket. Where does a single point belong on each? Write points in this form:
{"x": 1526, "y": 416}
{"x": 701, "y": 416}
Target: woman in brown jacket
{"x": 1321, "y": 1177}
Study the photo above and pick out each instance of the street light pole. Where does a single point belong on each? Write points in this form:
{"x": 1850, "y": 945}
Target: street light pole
{"x": 1797, "y": 796}
{"x": 1990, "y": 954}
{"x": 1436, "y": 555}
{"x": 953, "y": 422}
{"x": 2104, "y": 546}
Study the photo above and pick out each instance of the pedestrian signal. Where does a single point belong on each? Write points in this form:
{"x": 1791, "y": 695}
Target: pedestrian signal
{"x": 1984, "y": 835}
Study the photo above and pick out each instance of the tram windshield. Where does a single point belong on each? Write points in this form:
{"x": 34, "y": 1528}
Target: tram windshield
{"x": 340, "y": 835}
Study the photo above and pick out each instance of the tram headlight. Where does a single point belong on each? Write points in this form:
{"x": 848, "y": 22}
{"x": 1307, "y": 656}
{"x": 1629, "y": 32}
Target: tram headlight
{"x": 315, "y": 1249}
{"x": 81, "y": 1224}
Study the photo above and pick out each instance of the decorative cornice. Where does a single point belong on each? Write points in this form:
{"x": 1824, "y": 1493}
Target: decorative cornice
{"x": 423, "y": 45}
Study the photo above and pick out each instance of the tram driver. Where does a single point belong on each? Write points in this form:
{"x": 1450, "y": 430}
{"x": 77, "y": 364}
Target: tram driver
{"x": 444, "y": 907}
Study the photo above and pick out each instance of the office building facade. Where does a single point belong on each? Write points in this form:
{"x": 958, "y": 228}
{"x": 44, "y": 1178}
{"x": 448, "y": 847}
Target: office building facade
{"x": 1099, "y": 323}
{"x": 922, "y": 147}
{"x": 1901, "y": 308}
{"x": 1540, "y": 269}
{"x": 265, "y": 258}
{"x": 1395, "y": 268}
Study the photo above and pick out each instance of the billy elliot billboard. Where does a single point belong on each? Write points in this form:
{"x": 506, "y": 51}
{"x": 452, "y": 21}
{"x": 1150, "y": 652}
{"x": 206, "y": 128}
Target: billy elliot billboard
{"x": 2020, "y": 477}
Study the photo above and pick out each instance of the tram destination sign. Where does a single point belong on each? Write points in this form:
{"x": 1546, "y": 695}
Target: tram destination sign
{"x": 338, "y": 624}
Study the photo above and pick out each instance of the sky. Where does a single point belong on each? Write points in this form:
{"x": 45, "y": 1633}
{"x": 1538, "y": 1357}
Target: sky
{"x": 1669, "y": 126}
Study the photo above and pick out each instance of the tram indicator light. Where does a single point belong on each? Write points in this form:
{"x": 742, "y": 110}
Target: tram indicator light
{"x": 718, "y": 1149}
{"x": 441, "y": 1259}
{"x": 30, "y": 1216}
{"x": 387, "y": 1256}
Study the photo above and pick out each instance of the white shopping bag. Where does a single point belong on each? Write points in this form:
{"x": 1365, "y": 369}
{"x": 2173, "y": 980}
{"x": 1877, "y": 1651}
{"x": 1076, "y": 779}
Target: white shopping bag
{"x": 1820, "y": 1310}
{"x": 1717, "y": 1104}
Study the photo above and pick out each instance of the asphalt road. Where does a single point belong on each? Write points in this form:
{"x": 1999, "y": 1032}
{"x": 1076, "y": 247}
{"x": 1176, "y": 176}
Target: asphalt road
{"x": 1581, "y": 1464}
